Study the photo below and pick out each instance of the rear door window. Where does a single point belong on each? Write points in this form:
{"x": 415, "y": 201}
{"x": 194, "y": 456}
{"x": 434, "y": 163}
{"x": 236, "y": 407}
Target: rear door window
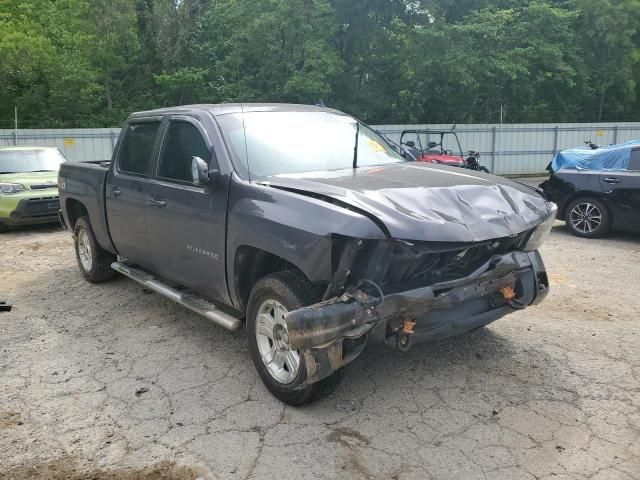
{"x": 137, "y": 148}
{"x": 182, "y": 142}
{"x": 634, "y": 160}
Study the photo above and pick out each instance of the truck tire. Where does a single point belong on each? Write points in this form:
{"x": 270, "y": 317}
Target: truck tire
{"x": 3, "y": 228}
{"x": 587, "y": 217}
{"x": 271, "y": 298}
{"x": 93, "y": 261}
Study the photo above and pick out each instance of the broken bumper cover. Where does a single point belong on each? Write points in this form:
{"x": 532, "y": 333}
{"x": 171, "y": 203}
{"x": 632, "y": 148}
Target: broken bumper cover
{"x": 330, "y": 334}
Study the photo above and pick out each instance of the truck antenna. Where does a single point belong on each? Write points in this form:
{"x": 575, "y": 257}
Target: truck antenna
{"x": 355, "y": 148}
{"x": 246, "y": 149}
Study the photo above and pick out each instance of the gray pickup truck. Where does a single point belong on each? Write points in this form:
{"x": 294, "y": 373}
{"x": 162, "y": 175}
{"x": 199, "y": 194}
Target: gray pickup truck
{"x": 305, "y": 225}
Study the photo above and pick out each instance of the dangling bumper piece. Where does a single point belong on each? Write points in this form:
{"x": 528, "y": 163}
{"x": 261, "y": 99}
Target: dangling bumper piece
{"x": 332, "y": 333}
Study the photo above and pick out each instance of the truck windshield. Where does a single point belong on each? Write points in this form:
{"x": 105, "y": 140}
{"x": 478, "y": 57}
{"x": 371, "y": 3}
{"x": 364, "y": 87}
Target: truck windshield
{"x": 36, "y": 160}
{"x": 277, "y": 143}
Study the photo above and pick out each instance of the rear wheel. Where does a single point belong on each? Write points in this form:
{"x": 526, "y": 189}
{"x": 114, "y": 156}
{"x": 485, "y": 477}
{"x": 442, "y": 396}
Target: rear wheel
{"x": 94, "y": 262}
{"x": 282, "y": 369}
{"x": 588, "y": 217}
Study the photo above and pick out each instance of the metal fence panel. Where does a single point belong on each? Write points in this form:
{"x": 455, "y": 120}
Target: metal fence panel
{"x": 509, "y": 149}
{"x": 76, "y": 143}
{"x": 524, "y": 149}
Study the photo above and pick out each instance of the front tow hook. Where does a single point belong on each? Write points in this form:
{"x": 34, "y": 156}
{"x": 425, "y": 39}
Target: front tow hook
{"x": 506, "y": 296}
{"x": 403, "y": 334}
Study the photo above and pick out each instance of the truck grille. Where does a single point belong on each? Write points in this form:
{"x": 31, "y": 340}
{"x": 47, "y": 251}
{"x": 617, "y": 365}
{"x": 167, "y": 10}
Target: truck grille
{"x": 428, "y": 268}
{"x": 398, "y": 266}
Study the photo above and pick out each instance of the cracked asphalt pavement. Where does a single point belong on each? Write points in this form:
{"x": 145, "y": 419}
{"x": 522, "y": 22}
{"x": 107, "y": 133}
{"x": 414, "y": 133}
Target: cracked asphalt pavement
{"x": 112, "y": 382}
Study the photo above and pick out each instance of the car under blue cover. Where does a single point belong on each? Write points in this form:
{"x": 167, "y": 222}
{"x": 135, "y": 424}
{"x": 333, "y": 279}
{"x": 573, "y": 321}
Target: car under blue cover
{"x": 612, "y": 157}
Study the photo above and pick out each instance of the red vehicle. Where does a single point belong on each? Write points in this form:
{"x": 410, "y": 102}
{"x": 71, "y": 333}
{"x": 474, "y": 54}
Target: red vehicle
{"x": 439, "y": 146}
{"x": 435, "y": 146}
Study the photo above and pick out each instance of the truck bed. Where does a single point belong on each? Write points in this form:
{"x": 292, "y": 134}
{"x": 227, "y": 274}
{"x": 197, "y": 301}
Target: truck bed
{"x": 84, "y": 182}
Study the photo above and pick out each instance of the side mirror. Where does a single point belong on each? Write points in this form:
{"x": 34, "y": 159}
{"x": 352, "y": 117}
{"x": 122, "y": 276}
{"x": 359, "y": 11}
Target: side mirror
{"x": 200, "y": 172}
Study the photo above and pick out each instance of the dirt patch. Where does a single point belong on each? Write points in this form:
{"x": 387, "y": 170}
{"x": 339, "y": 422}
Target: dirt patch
{"x": 354, "y": 462}
{"x": 347, "y": 437}
{"x": 64, "y": 470}
{"x": 9, "y": 420}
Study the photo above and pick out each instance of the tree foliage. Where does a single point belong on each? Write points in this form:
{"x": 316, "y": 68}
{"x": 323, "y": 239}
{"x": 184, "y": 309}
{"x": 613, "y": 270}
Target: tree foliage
{"x": 88, "y": 63}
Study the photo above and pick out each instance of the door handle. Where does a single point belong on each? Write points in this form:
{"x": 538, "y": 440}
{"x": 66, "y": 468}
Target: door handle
{"x": 115, "y": 191}
{"x": 611, "y": 180}
{"x": 157, "y": 203}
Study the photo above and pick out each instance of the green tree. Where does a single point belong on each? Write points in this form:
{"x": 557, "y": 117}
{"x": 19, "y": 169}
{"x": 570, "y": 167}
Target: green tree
{"x": 114, "y": 51}
{"x": 522, "y": 59}
{"x": 85, "y": 63}
{"x": 275, "y": 50}
{"x": 608, "y": 37}
{"x": 375, "y": 39}
{"x": 45, "y": 71}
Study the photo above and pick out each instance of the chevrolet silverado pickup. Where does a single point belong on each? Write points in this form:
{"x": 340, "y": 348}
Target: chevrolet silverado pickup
{"x": 305, "y": 226}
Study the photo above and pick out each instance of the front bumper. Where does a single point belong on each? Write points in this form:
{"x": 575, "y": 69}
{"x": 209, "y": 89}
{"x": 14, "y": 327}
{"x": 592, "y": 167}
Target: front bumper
{"x": 29, "y": 211}
{"x": 330, "y": 334}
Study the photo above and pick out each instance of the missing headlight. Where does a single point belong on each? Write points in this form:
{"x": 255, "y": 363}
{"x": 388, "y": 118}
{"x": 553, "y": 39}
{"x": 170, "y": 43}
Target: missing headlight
{"x": 541, "y": 232}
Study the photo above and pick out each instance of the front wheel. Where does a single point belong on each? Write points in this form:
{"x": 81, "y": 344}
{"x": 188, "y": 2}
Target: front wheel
{"x": 93, "y": 261}
{"x": 588, "y": 217}
{"x": 282, "y": 369}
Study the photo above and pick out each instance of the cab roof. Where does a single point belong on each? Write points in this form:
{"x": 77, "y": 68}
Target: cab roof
{"x": 217, "y": 109}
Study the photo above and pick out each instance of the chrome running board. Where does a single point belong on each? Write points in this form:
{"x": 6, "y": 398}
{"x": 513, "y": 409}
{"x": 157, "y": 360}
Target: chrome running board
{"x": 191, "y": 302}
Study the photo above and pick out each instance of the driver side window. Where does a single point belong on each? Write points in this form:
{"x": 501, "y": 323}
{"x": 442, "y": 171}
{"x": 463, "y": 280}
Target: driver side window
{"x": 182, "y": 142}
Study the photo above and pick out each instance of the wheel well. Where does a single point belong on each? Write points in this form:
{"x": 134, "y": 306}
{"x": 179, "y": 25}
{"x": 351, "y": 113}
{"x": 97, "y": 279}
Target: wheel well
{"x": 75, "y": 210}
{"x": 250, "y": 265}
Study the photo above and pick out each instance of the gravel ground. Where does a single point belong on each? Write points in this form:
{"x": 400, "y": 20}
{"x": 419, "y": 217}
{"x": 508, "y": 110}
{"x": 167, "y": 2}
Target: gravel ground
{"x": 110, "y": 382}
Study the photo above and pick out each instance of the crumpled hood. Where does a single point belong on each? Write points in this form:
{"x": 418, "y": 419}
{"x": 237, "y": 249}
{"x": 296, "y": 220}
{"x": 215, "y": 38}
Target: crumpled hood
{"x": 424, "y": 202}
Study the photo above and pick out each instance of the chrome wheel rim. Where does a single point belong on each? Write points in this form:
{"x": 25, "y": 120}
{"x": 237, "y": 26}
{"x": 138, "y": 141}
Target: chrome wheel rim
{"x": 282, "y": 363}
{"x": 84, "y": 250}
{"x": 585, "y": 217}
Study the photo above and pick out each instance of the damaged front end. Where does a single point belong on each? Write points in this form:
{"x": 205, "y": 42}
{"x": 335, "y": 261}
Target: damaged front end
{"x": 413, "y": 292}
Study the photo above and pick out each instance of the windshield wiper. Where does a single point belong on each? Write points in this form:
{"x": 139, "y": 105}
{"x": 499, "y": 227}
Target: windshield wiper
{"x": 355, "y": 149}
